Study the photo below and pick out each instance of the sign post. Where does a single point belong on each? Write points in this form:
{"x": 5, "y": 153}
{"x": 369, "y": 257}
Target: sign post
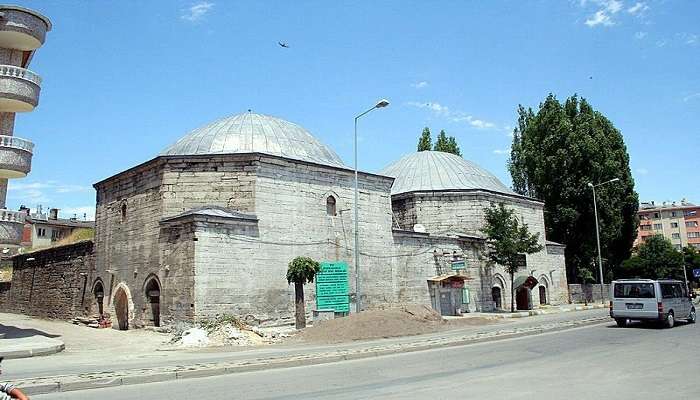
{"x": 332, "y": 289}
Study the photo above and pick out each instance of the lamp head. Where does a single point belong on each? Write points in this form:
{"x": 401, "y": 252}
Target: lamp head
{"x": 614, "y": 179}
{"x": 382, "y": 103}
{"x": 590, "y": 184}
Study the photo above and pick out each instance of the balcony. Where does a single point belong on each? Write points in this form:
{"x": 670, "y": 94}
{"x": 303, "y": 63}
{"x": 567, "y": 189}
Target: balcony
{"x": 19, "y": 89}
{"x": 21, "y": 28}
{"x": 11, "y": 227}
{"x": 15, "y": 157}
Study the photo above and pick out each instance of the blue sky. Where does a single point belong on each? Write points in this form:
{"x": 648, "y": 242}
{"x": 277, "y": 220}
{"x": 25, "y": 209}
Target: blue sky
{"x": 123, "y": 80}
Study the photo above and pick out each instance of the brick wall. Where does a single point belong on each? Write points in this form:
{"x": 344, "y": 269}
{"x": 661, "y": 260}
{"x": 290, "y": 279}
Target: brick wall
{"x": 589, "y": 292}
{"x": 52, "y": 283}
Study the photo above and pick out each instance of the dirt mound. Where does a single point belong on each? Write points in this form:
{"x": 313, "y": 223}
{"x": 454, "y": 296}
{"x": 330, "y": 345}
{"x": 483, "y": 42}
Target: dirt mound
{"x": 372, "y": 324}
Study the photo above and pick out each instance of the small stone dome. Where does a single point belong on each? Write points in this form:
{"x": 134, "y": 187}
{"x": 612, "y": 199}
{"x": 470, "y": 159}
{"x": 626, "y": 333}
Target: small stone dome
{"x": 427, "y": 171}
{"x": 255, "y": 133}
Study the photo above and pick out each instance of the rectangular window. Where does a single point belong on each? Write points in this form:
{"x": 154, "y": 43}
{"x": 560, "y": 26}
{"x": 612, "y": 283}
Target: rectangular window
{"x": 696, "y": 245}
{"x": 691, "y": 224}
{"x": 646, "y": 227}
{"x": 673, "y": 213}
{"x": 694, "y": 234}
{"x": 657, "y": 215}
{"x": 658, "y": 226}
{"x": 676, "y": 235}
{"x": 678, "y": 247}
{"x": 634, "y": 290}
{"x": 690, "y": 213}
{"x": 41, "y": 232}
{"x": 667, "y": 291}
{"x": 674, "y": 224}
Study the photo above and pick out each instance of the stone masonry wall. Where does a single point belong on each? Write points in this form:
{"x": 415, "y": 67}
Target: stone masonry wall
{"x": 242, "y": 270}
{"x": 52, "y": 283}
{"x": 445, "y": 212}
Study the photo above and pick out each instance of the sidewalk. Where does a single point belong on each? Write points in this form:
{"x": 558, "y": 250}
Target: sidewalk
{"x": 530, "y": 313}
{"x": 218, "y": 362}
{"x": 21, "y": 341}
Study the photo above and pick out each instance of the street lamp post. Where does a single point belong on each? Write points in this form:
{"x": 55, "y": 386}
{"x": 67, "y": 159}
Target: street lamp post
{"x": 358, "y": 302}
{"x": 597, "y": 235}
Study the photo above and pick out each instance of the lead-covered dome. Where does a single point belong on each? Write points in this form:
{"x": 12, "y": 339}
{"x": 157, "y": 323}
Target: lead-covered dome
{"x": 435, "y": 171}
{"x": 255, "y": 133}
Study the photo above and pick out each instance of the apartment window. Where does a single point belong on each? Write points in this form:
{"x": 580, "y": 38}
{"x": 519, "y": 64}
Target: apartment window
{"x": 676, "y": 235}
{"x": 693, "y": 235}
{"x": 696, "y": 245}
{"x": 690, "y": 213}
{"x": 658, "y": 226}
{"x": 41, "y": 232}
{"x": 691, "y": 224}
{"x": 673, "y": 213}
{"x": 646, "y": 227}
{"x": 55, "y": 234}
{"x": 657, "y": 215}
{"x": 678, "y": 246}
{"x": 674, "y": 224}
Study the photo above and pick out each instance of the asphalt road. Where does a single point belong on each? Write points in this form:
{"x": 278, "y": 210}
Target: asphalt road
{"x": 600, "y": 362}
{"x": 66, "y": 362}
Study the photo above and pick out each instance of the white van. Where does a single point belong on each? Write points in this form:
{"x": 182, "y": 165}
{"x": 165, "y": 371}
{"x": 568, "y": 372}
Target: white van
{"x": 647, "y": 299}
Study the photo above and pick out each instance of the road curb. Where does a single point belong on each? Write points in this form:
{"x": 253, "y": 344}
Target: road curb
{"x": 67, "y": 383}
{"x": 32, "y": 352}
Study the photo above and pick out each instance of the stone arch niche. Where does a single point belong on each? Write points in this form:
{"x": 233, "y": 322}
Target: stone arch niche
{"x": 543, "y": 290}
{"x": 498, "y": 291}
{"x": 123, "y": 307}
{"x": 98, "y": 290}
{"x": 151, "y": 291}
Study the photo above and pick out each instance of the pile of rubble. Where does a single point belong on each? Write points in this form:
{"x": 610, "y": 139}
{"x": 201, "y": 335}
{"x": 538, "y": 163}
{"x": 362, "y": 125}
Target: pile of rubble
{"x": 95, "y": 321}
{"x": 226, "y": 330}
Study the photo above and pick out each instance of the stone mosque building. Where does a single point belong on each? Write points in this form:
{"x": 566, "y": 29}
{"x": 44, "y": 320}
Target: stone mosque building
{"x": 209, "y": 226}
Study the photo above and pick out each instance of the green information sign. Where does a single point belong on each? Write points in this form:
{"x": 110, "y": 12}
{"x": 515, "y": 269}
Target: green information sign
{"x": 332, "y": 289}
{"x": 456, "y": 265}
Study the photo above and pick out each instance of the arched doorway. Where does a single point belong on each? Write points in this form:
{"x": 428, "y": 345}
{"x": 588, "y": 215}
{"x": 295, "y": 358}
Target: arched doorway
{"x": 497, "y": 297}
{"x": 522, "y": 298}
{"x": 152, "y": 292}
{"x": 543, "y": 295}
{"x": 121, "y": 308}
{"x": 98, "y": 291}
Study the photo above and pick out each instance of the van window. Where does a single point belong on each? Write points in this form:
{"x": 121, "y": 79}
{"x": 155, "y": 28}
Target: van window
{"x": 634, "y": 290}
{"x": 667, "y": 290}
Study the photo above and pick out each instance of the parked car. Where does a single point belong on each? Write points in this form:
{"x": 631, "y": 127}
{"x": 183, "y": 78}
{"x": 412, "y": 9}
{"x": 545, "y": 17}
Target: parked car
{"x": 650, "y": 300}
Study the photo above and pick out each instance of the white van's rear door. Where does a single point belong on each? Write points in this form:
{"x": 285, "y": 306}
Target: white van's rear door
{"x": 634, "y": 300}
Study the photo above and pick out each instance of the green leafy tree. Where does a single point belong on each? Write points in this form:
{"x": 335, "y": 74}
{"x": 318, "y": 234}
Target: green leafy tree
{"x": 425, "y": 142}
{"x": 508, "y": 241}
{"x": 691, "y": 258}
{"x": 453, "y": 147}
{"x": 447, "y": 144}
{"x": 555, "y": 153}
{"x": 656, "y": 258}
{"x": 300, "y": 271}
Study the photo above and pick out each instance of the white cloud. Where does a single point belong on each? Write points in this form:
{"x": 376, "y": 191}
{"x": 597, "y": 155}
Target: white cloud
{"x": 33, "y": 193}
{"x": 501, "y": 151}
{"x": 81, "y": 211}
{"x": 642, "y": 171}
{"x": 454, "y": 116}
{"x": 690, "y": 38}
{"x": 419, "y": 85}
{"x": 661, "y": 43}
{"x": 599, "y": 18}
{"x": 691, "y": 97}
{"x": 197, "y": 11}
{"x": 614, "y": 6}
{"x": 640, "y": 35}
{"x": 638, "y": 9}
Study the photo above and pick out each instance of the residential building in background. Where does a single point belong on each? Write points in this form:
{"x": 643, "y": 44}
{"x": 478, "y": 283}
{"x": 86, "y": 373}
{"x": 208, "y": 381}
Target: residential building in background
{"x": 43, "y": 230}
{"x": 22, "y": 32}
{"x": 677, "y": 221}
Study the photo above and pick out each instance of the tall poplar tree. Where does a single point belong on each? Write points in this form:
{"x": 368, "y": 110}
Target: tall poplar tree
{"x": 425, "y": 142}
{"x": 556, "y": 152}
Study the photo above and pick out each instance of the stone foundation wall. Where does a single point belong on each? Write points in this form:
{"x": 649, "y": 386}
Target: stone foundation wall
{"x": 588, "y": 293}
{"x": 52, "y": 283}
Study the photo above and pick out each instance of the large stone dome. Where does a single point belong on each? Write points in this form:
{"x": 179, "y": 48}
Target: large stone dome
{"x": 426, "y": 171}
{"x": 255, "y": 133}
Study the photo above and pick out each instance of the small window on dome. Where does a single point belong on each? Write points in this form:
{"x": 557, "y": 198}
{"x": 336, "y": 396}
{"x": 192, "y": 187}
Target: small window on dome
{"x": 330, "y": 206}
{"x": 123, "y": 212}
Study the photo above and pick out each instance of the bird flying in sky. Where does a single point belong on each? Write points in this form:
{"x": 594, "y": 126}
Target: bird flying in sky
{"x": 283, "y": 44}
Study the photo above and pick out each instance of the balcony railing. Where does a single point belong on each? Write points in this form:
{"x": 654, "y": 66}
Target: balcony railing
{"x": 16, "y": 143}
{"x": 21, "y": 73}
{"x": 12, "y": 216}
